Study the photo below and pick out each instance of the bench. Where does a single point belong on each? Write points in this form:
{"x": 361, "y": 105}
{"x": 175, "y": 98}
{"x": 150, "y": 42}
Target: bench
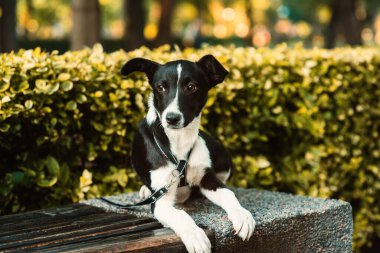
{"x": 284, "y": 223}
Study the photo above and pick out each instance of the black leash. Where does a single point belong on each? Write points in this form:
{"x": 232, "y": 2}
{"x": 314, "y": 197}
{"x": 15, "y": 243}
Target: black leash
{"x": 170, "y": 156}
{"x": 178, "y": 174}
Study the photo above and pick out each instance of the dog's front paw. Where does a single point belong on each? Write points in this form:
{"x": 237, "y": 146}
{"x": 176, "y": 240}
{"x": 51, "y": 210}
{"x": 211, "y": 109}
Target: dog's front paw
{"x": 196, "y": 240}
{"x": 144, "y": 192}
{"x": 243, "y": 223}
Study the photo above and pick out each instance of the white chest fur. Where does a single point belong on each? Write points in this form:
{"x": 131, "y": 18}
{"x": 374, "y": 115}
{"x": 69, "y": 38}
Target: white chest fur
{"x": 181, "y": 140}
{"x": 198, "y": 162}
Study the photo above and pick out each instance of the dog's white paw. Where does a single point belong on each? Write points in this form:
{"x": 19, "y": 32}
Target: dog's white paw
{"x": 243, "y": 223}
{"x": 144, "y": 192}
{"x": 196, "y": 240}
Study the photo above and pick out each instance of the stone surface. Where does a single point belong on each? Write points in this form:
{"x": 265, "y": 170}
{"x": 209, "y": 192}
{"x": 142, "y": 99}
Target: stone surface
{"x": 284, "y": 222}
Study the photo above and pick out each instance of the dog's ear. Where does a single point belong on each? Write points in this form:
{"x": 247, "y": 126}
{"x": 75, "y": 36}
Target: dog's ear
{"x": 142, "y": 65}
{"x": 213, "y": 69}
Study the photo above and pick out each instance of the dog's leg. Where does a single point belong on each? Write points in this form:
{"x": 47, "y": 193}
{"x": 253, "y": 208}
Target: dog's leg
{"x": 223, "y": 176}
{"x": 192, "y": 236}
{"x": 183, "y": 194}
{"x": 144, "y": 192}
{"x": 213, "y": 189}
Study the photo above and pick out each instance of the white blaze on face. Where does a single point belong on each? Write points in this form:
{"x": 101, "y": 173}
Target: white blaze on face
{"x": 173, "y": 106}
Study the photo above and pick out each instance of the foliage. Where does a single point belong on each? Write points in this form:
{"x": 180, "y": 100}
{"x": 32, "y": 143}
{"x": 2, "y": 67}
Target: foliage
{"x": 295, "y": 120}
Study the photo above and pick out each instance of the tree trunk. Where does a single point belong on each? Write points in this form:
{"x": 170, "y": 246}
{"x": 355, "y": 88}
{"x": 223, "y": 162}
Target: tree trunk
{"x": 8, "y": 25}
{"x": 86, "y": 19}
{"x": 249, "y": 13}
{"x": 164, "y": 27}
{"x": 344, "y": 22}
{"x": 134, "y": 18}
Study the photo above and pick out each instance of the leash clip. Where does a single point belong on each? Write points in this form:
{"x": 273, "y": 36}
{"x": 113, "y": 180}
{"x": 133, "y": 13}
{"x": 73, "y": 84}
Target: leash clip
{"x": 173, "y": 180}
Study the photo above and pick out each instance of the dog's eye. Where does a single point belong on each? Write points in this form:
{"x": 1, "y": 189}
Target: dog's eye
{"x": 191, "y": 87}
{"x": 161, "y": 88}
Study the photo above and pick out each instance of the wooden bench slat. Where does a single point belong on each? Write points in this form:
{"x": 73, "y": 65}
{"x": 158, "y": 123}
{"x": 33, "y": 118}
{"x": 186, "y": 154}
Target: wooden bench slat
{"x": 157, "y": 240}
{"x": 80, "y": 234}
{"x": 46, "y": 216}
{"x": 31, "y": 225}
{"x": 65, "y": 210}
{"x": 99, "y": 236}
{"x": 162, "y": 241}
{"x": 66, "y": 225}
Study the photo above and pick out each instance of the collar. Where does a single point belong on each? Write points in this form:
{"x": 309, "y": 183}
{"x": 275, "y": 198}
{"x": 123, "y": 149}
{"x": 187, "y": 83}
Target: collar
{"x": 181, "y": 164}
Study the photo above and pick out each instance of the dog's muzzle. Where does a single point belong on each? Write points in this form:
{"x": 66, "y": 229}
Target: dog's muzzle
{"x": 173, "y": 120}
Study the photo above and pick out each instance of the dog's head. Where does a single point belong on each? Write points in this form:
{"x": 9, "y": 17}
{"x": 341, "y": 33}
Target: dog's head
{"x": 179, "y": 87}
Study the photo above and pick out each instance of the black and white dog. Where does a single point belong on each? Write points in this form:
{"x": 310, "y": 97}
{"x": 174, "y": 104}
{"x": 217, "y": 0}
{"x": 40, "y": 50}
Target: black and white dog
{"x": 179, "y": 93}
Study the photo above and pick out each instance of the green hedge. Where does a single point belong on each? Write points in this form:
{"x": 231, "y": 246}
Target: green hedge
{"x": 295, "y": 120}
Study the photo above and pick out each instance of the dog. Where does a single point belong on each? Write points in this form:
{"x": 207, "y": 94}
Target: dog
{"x": 179, "y": 93}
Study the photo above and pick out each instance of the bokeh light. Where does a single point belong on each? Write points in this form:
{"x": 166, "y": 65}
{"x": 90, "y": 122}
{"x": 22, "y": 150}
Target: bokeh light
{"x": 220, "y": 31}
{"x": 228, "y": 14}
{"x": 324, "y": 14}
{"x": 32, "y": 25}
{"x": 367, "y": 34}
{"x": 242, "y": 30}
{"x": 303, "y": 29}
{"x": 150, "y": 31}
{"x": 377, "y": 29}
{"x": 240, "y": 21}
{"x": 283, "y": 11}
{"x": 283, "y": 26}
{"x": 262, "y": 36}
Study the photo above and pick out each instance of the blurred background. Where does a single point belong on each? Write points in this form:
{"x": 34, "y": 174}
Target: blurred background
{"x": 71, "y": 24}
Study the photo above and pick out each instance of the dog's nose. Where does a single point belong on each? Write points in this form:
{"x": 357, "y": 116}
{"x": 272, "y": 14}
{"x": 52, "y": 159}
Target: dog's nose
{"x": 173, "y": 118}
